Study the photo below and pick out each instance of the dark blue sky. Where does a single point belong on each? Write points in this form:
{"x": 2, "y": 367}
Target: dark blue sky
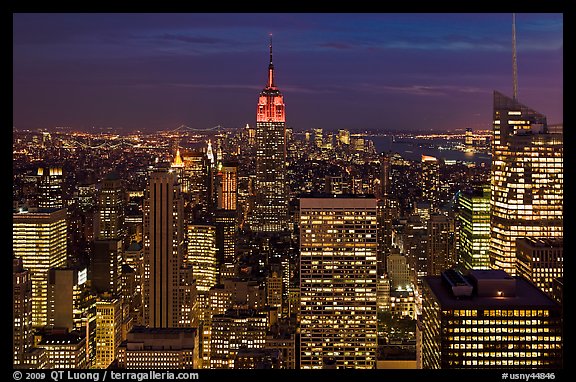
{"x": 156, "y": 71}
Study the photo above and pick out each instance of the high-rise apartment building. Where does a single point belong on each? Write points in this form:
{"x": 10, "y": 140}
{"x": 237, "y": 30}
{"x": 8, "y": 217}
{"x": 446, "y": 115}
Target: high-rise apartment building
{"x": 270, "y": 213}
{"x": 39, "y": 238}
{"x": 338, "y": 243}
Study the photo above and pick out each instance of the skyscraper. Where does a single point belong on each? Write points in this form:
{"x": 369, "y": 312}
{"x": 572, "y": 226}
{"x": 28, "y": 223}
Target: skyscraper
{"x": 108, "y": 330}
{"x": 488, "y": 319}
{"x": 72, "y": 305}
{"x": 110, "y": 233}
{"x": 111, "y": 203}
{"x": 398, "y": 271}
{"x": 527, "y": 180}
{"x": 39, "y": 238}
{"x": 270, "y": 213}
{"x": 541, "y": 261}
{"x": 195, "y": 179}
{"x": 163, "y": 248}
{"x": 274, "y": 290}
{"x": 50, "y": 187}
{"x": 441, "y": 244}
{"x": 338, "y": 281}
{"x": 226, "y": 224}
{"x": 430, "y": 179}
{"x": 106, "y": 266}
{"x": 474, "y": 216}
{"x": 22, "y": 339}
{"x": 527, "y": 176}
{"x": 227, "y": 191}
{"x": 201, "y": 255}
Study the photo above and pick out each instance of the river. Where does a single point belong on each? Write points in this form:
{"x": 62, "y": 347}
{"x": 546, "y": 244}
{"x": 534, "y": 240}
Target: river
{"x": 414, "y": 148}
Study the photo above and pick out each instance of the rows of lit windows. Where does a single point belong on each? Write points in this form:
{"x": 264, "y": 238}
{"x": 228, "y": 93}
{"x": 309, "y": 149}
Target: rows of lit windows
{"x": 498, "y": 313}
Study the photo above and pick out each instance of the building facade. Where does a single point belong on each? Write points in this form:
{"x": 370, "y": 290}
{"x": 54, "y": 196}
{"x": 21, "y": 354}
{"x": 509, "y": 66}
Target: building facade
{"x": 232, "y": 331}
{"x": 22, "y": 335}
{"x": 39, "y": 238}
{"x": 108, "y": 331}
{"x": 163, "y": 249}
{"x": 270, "y": 213}
{"x": 201, "y": 255}
{"x": 159, "y": 348}
{"x": 488, "y": 319}
{"x": 338, "y": 244}
{"x": 541, "y": 261}
{"x": 527, "y": 180}
{"x": 474, "y": 216}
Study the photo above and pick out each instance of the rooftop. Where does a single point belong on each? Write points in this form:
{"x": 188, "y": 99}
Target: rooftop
{"x": 522, "y": 293}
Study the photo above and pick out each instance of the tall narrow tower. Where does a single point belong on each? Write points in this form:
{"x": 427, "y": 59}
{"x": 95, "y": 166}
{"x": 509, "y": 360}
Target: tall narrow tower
{"x": 270, "y": 212}
{"x": 514, "y": 61}
{"x": 106, "y": 264}
{"x": 163, "y": 249}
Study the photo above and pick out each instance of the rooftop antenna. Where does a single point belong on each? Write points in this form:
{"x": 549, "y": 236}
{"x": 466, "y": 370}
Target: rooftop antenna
{"x": 514, "y": 61}
{"x": 271, "y": 67}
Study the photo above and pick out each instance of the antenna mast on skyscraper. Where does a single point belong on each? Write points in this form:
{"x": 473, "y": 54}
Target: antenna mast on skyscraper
{"x": 514, "y": 63}
{"x": 270, "y": 48}
{"x": 271, "y": 67}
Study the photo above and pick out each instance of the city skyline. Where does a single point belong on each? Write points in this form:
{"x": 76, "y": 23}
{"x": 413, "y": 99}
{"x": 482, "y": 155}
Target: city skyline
{"x": 157, "y": 71}
{"x": 368, "y": 234}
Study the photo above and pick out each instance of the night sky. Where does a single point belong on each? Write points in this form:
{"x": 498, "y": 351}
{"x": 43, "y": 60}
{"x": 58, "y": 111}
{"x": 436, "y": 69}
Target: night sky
{"x": 157, "y": 71}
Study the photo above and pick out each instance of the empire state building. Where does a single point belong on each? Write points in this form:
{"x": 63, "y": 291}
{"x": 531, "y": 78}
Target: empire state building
{"x": 270, "y": 213}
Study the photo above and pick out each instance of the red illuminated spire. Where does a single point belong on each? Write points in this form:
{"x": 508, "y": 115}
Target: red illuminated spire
{"x": 271, "y": 68}
{"x": 270, "y": 102}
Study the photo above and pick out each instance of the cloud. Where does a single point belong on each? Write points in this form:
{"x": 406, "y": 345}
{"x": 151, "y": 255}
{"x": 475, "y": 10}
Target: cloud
{"x": 191, "y": 39}
{"x": 421, "y": 90}
{"x": 196, "y": 86}
{"x": 336, "y": 45}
